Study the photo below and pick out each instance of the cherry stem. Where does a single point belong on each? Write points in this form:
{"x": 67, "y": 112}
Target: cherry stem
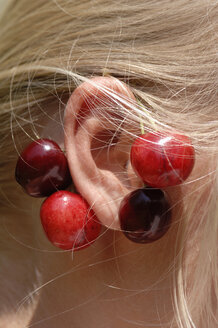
{"x": 142, "y": 107}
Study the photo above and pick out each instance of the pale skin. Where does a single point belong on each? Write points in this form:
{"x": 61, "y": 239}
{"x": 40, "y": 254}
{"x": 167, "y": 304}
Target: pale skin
{"x": 115, "y": 282}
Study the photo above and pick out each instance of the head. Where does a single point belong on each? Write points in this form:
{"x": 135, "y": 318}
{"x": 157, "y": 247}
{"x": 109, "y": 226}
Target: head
{"x": 89, "y": 75}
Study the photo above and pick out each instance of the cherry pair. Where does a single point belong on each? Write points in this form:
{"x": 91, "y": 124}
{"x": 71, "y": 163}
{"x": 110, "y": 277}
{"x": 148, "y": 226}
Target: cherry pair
{"x": 160, "y": 160}
{"x": 68, "y": 222}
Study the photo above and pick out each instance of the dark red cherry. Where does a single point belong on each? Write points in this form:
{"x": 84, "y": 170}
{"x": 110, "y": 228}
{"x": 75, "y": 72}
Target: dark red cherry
{"x": 162, "y": 160}
{"x": 68, "y": 221}
{"x": 145, "y": 215}
{"x": 42, "y": 168}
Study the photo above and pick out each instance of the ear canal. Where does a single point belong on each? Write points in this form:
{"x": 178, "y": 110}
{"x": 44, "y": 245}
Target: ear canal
{"x": 97, "y": 167}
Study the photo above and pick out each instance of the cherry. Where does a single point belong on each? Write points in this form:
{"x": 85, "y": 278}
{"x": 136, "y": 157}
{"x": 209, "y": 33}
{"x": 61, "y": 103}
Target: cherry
{"x": 145, "y": 215}
{"x": 162, "y": 159}
{"x": 42, "y": 168}
{"x": 68, "y": 221}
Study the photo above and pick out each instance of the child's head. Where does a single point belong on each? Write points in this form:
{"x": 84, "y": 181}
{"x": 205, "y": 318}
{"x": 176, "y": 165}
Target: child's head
{"x": 149, "y": 66}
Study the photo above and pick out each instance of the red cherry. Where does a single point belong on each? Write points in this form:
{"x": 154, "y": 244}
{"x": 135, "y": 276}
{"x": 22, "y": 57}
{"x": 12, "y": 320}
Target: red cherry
{"x": 42, "y": 168}
{"x": 162, "y": 159}
{"x": 145, "y": 215}
{"x": 68, "y": 221}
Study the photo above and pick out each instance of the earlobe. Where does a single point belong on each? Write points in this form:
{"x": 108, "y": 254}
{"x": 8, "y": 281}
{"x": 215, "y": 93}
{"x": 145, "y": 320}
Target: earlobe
{"x": 96, "y": 162}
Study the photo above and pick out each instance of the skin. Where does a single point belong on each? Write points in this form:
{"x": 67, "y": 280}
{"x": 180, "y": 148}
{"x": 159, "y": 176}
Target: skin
{"x": 113, "y": 283}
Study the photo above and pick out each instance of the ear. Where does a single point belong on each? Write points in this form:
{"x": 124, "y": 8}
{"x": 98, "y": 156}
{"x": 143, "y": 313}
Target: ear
{"x": 97, "y": 156}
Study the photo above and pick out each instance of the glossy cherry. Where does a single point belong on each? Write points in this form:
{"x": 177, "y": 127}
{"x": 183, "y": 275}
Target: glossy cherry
{"x": 145, "y": 215}
{"x": 42, "y": 168}
{"x": 162, "y": 159}
{"x": 68, "y": 221}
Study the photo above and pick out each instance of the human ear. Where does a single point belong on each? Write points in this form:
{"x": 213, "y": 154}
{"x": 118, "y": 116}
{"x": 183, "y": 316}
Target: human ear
{"x": 96, "y": 154}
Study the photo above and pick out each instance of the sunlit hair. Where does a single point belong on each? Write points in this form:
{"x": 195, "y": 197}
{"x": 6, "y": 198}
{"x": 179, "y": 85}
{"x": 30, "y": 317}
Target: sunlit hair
{"x": 166, "y": 51}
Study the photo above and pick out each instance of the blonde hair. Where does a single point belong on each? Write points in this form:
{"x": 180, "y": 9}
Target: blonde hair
{"x": 166, "y": 51}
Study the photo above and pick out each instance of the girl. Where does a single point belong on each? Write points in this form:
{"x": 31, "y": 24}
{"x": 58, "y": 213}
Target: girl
{"x": 160, "y": 58}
